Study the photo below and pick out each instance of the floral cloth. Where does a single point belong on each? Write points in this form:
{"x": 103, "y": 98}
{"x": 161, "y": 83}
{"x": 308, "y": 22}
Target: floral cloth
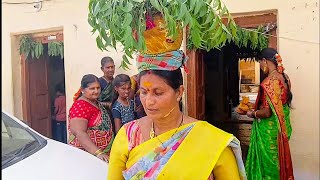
{"x": 99, "y": 124}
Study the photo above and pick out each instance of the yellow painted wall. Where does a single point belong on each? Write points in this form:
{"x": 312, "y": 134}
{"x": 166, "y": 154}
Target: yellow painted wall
{"x": 297, "y": 19}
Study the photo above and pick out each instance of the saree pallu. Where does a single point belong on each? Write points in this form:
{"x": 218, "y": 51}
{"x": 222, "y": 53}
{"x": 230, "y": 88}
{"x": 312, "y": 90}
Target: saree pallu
{"x": 262, "y": 161}
{"x": 191, "y": 153}
{"x": 107, "y": 92}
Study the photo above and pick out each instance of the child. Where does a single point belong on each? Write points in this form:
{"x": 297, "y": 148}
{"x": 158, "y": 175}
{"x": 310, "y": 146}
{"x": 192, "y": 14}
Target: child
{"x": 60, "y": 129}
{"x": 123, "y": 107}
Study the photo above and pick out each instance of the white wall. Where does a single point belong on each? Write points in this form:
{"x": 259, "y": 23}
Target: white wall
{"x": 81, "y": 53}
{"x": 297, "y": 19}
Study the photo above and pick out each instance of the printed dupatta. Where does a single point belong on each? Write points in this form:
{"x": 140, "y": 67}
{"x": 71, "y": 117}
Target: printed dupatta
{"x": 273, "y": 91}
{"x": 150, "y": 166}
{"x": 180, "y": 157}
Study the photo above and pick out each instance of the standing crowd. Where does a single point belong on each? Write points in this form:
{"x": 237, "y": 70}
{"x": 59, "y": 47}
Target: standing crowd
{"x": 136, "y": 124}
{"x": 101, "y": 106}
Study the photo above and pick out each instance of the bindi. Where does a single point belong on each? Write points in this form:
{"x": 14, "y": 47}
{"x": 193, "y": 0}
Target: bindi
{"x": 147, "y": 84}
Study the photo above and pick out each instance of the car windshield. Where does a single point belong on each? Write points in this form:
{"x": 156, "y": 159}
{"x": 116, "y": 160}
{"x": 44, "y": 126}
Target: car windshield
{"x": 17, "y": 141}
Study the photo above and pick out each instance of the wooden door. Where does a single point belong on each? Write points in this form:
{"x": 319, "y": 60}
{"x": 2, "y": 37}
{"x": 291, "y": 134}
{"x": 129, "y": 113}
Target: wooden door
{"x": 39, "y": 99}
{"x": 196, "y": 85}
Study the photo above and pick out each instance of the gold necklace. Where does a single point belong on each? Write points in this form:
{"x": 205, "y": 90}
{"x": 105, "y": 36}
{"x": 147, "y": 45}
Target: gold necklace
{"x": 153, "y": 134}
{"x": 272, "y": 71}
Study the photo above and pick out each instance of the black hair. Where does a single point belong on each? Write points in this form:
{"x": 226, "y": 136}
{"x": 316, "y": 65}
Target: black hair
{"x": 269, "y": 55}
{"x": 105, "y": 60}
{"x": 87, "y": 79}
{"x": 173, "y": 78}
{"x": 118, "y": 81}
{"x": 60, "y": 88}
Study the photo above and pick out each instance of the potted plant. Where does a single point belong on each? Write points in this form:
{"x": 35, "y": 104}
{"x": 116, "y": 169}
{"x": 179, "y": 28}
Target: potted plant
{"x": 140, "y": 24}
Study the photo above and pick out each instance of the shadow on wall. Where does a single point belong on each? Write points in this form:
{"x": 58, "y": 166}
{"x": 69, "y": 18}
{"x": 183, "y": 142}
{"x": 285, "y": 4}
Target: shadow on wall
{"x": 302, "y": 175}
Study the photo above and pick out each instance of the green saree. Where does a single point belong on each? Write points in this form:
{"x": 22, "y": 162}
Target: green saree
{"x": 267, "y": 134}
{"x": 262, "y": 161}
{"x": 107, "y": 91}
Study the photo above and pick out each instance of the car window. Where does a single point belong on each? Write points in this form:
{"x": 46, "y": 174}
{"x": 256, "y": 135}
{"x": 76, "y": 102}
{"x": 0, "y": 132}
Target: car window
{"x": 17, "y": 140}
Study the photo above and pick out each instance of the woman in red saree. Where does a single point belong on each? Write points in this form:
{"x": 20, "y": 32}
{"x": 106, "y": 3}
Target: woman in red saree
{"x": 90, "y": 126}
{"x": 269, "y": 153}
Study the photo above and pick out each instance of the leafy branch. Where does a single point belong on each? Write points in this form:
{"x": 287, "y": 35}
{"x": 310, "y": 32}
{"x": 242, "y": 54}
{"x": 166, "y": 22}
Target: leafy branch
{"x": 29, "y": 47}
{"x": 124, "y": 21}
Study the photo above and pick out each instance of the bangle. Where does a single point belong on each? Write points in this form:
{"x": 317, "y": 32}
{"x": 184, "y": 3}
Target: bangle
{"x": 99, "y": 151}
{"x": 255, "y": 113}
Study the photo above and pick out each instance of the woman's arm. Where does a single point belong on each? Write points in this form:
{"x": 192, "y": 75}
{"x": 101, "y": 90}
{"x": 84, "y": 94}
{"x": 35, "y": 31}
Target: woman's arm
{"x": 119, "y": 156}
{"x": 226, "y": 167}
{"x": 78, "y": 127}
{"x": 117, "y": 124}
{"x": 117, "y": 119}
{"x": 261, "y": 113}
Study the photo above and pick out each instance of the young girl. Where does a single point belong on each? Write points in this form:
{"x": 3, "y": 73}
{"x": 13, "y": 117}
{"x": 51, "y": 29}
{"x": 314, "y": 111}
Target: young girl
{"x": 123, "y": 107}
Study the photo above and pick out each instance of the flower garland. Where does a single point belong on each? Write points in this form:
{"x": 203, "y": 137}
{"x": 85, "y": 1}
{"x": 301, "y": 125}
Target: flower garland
{"x": 280, "y": 67}
{"x": 77, "y": 95}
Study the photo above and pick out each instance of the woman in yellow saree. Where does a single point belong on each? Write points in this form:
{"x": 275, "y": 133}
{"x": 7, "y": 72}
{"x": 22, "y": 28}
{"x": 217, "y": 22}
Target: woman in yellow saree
{"x": 166, "y": 144}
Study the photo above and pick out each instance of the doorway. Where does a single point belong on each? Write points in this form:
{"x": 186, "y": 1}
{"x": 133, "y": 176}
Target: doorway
{"x": 213, "y": 86}
{"x": 40, "y": 77}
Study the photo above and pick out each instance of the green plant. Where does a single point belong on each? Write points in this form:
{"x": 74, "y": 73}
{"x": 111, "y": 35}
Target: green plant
{"x": 29, "y": 47}
{"x": 116, "y": 20}
{"x": 55, "y": 49}
{"x": 255, "y": 38}
{"x": 124, "y": 21}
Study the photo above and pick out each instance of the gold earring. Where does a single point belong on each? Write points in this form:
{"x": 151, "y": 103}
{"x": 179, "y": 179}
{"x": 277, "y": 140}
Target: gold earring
{"x": 265, "y": 69}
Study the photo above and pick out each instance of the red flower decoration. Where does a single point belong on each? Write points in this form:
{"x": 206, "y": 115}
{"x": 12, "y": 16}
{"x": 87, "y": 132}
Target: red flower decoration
{"x": 77, "y": 95}
{"x": 149, "y": 22}
{"x": 280, "y": 69}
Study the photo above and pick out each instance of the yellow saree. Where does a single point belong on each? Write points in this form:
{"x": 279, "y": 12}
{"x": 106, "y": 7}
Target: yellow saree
{"x": 202, "y": 150}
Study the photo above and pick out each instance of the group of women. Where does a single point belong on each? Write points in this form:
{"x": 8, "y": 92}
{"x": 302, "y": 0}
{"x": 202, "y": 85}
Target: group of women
{"x": 164, "y": 143}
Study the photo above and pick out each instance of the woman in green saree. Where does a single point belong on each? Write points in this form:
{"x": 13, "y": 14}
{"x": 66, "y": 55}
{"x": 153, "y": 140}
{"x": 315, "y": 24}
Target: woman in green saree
{"x": 269, "y": 153}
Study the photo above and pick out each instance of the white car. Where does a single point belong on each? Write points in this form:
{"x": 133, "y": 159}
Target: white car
{"x": 28, "y": 155}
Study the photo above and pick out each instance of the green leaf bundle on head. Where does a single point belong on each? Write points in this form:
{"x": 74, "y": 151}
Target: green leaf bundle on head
{"x": 125, "y": 21}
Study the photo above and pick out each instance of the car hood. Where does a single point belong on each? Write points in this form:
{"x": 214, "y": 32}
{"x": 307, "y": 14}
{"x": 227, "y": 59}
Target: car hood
{"x": 57, "y": 161}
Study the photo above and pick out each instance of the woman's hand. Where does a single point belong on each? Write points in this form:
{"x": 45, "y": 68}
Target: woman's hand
{"x": 250, "y": 113}
{"x": 103, "y": 157}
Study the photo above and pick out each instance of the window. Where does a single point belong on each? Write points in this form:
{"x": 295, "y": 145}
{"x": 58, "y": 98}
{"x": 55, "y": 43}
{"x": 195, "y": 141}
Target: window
{"x": 17, "y": 141}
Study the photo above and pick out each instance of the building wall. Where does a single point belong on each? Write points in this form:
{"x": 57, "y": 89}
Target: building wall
{"x": 297, "y": 19}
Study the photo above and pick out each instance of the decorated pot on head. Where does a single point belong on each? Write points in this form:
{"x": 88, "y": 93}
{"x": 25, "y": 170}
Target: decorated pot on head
{"x": 162, "y": 52}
